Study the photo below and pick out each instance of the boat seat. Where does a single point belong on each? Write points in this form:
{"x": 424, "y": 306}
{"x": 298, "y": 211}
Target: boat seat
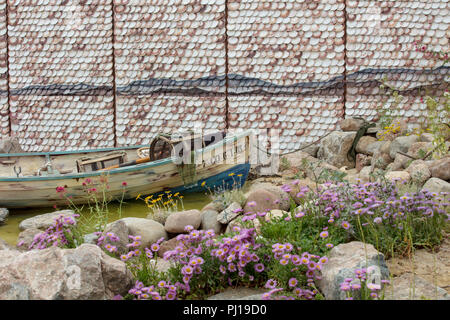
{"x": 87, "y": 164}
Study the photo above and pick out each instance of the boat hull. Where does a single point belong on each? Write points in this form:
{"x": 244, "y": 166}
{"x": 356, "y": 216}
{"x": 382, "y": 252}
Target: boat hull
{"x": 129, "y": 182}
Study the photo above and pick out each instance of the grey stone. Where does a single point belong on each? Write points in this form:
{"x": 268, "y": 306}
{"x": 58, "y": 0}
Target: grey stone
{"x": 177, "y": 221}
{"x": 334, "y": 148}
{"x": 364, "y": 143}
{"x": 419, "y": 172}
{"x": 229, "y": 214}
{"x": 209, "y": 221}
{"x": 398, "y": 175}
{"x": 5, "y": 245}
{"x": 441, "y": 168}
{"x": 90, "y": 238}
{"x": 121, "y": 230}
{"x": 84, "y": 273}
{"x": 43, "y": 221}
{"x": 26, "y": 237}
{"x": 436, "y": 185}
{"x": 4, "y": 213}
{"x": 402, "y": 144}
{"x": 150, "y": 230}
{"x": 411, "y": 287}
{"x": 374, "y": 147}
{"x": 342, "y": 262}
{"x": 10, "y": 145}
{"x": 351, "y": 124}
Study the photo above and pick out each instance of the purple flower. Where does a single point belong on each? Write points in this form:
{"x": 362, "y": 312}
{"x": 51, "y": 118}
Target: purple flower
{"x": 259, "y": 267}
{"x": 270, "y": 284}
{"x": 345, "y": 225}
{"x": 324, "y": 234}
{"x": 292, "y": 282}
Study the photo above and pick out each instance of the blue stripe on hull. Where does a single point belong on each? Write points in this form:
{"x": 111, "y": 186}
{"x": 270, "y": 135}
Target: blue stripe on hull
{"x": 221, "y": 181}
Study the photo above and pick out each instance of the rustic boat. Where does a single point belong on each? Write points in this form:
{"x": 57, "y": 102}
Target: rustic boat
{"x": 43, "y": 179}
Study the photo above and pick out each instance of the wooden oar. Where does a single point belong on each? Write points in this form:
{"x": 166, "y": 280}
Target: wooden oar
{"x": 126, "y": 164}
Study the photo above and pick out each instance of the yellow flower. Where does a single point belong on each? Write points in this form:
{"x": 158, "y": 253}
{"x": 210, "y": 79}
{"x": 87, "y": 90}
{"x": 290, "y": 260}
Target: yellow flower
{"x": 176, "y": 194}
{"x": 138, "y": 196}
{"x": 231, "y": 174}
{"x": 167, "y": 191}
{"x": 203, "y": 183}
{"x": 239, "y": 175}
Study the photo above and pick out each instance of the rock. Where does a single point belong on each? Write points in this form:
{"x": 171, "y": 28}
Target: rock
{"x": 150, "y": 230}
{"x": 419, "y": 149}
{"x": 5, "y": 245}
{"x": 215, "y": 205}
{"x": 84, "y": 273}
{"x": 43, "y": 221}
{"x": 10, "y": 145}
{"x": 426, "y": 137}
{"x": 230, "y": 213}
{"x": 240, "y": 293}
{"x": 275, "y": 214}
{"x": 161, "y": 265}
{"x": 432, "y": 266}
{"x": 381, "y": 160}
{"x": 281, "y": 195}
{"x": 176, "y": 222}
{"x": 167, "y": 245}
{"x": 297, "y": 158}
{"x": 342, "y": 262}
{"x": 261, "y": 200}
{"x": 210, "y": 221}
{"x": 441, "y": 168}
{"x": 373, "y": 147}
{"x": 402, "y": 144}
{"x": 398, "y": 175}
{"x": 362, "y": 160}
{"x": 419, "y": 172}
{"x": 410, "y": 287}
{"x": 26, "y": 237}
{"x": 400, "y": 162}
{"x": 385, "y": 147}
{"x": 91, "y": 238}
{"x": 364, "y": 143}
{"x": 436, "y": 185}
{"x": 364, "y": 174}
{"x": 159, "y": 215}
{"x": 4, "y": 213}
{"x": 311, "y": 149}
{"x": 121, "y": 230}
{"x": 351, "y": 124}
{"x": 334, "y": 148}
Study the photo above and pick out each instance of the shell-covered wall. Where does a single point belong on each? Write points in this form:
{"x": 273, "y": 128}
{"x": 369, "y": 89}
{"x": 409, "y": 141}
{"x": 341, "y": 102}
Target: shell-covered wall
{"x": 103, "y": 73}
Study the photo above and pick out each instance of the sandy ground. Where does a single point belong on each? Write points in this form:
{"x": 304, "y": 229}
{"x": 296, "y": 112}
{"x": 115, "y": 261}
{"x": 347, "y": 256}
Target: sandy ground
{"x": 433, "y": 267}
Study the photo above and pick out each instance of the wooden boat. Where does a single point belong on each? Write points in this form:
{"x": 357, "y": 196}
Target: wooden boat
{"x": 34, "y": 179}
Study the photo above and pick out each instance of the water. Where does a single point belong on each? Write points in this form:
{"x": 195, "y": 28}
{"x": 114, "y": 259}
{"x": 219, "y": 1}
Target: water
{"x": 131, "y": 208}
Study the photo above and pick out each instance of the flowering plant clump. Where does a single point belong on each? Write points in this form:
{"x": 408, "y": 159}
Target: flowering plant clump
{"x": 62, "y": 234}
{"x": 361, "y": 288}
{"x": 375, "y": 213}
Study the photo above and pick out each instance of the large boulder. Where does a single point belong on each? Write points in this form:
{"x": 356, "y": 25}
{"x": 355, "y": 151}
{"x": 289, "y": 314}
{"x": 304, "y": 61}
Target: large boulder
{"x": 150, "y": 230}
{"x": 373, "y": 147}
{"x": 43, "y": 221}
{"x": 411, "y": 287}
{"x": 26, "y": 237}
{"x": 398, "y": 175}
{"x": 343, "y": 260}
{"x": 4, "y": 213}
{"x": 419, "y": 172}
{"x": 440, "y": 168}
{"x": 167, "y": 245}
{"x": 334, "y": 148}
{"x": 402, "y": 144}
{"x": 10, "y": 145}
{"x": 380, "y": 160}
{"x": 121, "y": 230}
{"x": 351, "y": 124}
{"x": 230, "y": 213}
{"x": 436, "y": 185}
{"x": 177, "y": 221}
{"x": 210, "y": 221}
{"x": 364, "y": 143}
{"x": 84, "y": 273}
{"x": 420, "y": 149}
{"x": 279, "y": 192}
{"x": 261, "y": 200}
{"x": 5, "y": 245}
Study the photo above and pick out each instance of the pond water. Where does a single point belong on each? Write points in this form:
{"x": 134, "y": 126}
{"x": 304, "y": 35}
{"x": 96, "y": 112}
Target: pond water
{"x": 131, "y": 208}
